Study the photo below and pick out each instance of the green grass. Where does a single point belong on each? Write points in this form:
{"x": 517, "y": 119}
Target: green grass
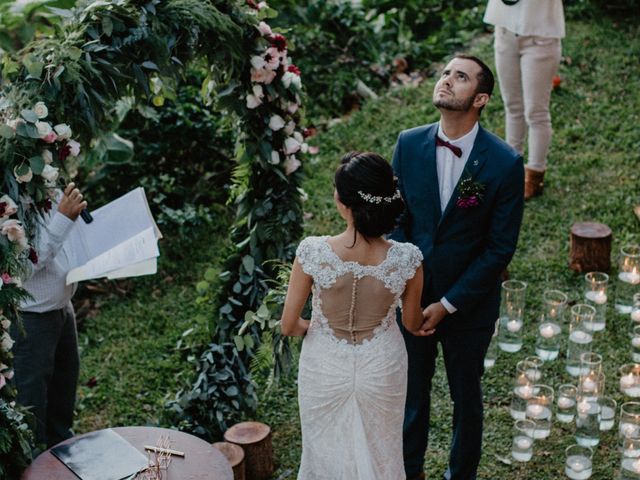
{"x": 594, "y": 174}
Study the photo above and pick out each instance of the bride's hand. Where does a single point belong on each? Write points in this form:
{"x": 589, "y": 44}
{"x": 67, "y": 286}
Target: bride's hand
{"x": 433, "y": 315}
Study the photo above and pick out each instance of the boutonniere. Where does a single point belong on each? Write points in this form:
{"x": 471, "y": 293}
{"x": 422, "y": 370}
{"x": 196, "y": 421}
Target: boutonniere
{"x": 470, "y": 192}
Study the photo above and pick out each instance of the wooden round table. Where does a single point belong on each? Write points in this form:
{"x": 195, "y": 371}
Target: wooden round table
{"x": 201, "y": 461}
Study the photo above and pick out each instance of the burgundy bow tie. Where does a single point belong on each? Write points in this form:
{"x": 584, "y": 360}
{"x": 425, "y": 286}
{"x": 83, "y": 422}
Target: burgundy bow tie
{"x": 457, "y": 151}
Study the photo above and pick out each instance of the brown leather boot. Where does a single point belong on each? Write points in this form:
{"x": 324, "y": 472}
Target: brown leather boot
{"x": 533, "y": 183}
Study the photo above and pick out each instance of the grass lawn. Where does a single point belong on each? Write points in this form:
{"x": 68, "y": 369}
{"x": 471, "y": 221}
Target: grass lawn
{"x": 129, "y": 344}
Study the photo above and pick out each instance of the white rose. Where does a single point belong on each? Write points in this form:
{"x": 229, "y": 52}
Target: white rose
{"x": 303, "y": 195}
{"x": 292, "y": 107}
{"x": 257, "y": 91}
{"x": 74, "y": 148}
{"x": 13, "y": 124}
{"x": 26, "y": 178}
{"x": 9, "y": 374}
{"x": 287, "y": 78}
{"x": 276, "y": 123}
{"x": 41, "y": 110}
{"x": 290, "y": 128}
{"x": 298, "y": 136}
{"x": 44, "y": 129}
{"x": 265, "y": 30}
{"x": 47, "y": 156}
{"x": 253, "y": 101}
{"x": 63, "y": 130}
{"x": 10, "y": 206}
{"x": 257, "y": 62}
{"x": 291, "y": 164}
{"x": 304, "y": 147}
{"x": 6, "y": 343}
{"x": 6, "y": 323}
{"x": 14, "y": 231}
{"x": 49, "y": 173}
{"x": 291, "y": 145}
{"x": 275, "y": 157}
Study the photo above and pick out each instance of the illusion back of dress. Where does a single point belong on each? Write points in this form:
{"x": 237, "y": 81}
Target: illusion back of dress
{"x": 355, "y": 306}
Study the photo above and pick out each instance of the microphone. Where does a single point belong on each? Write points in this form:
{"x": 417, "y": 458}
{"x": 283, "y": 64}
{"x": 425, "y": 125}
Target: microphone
{"x": 86, "y": 216}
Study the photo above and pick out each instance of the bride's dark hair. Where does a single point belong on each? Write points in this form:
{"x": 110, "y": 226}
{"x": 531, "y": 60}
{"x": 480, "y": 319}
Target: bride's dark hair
{"x": 365, "y": 183}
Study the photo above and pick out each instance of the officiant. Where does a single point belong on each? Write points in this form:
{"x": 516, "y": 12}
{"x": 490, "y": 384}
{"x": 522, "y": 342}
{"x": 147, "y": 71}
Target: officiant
{"x": 46, "y": 358}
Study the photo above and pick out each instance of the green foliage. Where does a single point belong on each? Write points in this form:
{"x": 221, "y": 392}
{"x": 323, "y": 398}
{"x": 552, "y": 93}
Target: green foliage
{"x": 15, "y": 440}
{"x": 594, "y": 8}
{"x": 183, "y": 158}
{"x": 340, "y": 43}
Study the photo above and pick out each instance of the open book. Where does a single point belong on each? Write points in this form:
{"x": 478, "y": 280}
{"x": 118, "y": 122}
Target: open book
{"x": 122, "y": 241}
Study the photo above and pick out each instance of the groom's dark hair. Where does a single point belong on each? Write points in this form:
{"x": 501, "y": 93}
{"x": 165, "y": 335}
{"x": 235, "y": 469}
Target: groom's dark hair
{"x": 365, "y": 183}
{"x": 486, "y": 81}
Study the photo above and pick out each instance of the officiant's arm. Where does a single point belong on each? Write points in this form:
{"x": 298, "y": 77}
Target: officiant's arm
{"x": 480, "y": 277}
{"x": 297, "y": 294}
{"x": 52, "y": 235}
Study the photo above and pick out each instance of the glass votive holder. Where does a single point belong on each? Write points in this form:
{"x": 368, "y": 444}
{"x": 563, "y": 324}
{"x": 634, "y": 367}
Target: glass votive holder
{"x": 492, "y": 351}
{"x": 511, "y": 315}
{"x": 607, "y": 413}
{"x": 522, "y": 445}
{"x": 635, "y": 343}
{"x": 587, "y": 422}
{"x": 629, "y": 468}
{"x": 580, "y": 336}
{"x": 578, "y": 464}
{"x": 527, "y": 371}
{"x": 595, "y": 294}
{"x": 590, "y": 363}
{"x": 628, "y": 278}
{"x": 630, "y": 379}
{"x": 550, "y": 327}
{"x": 566, "y": 403}
{"x": 591, "y": 386}
{"x": 539, "y": 410}
{"x": 635, "y": 311}
{"x": 629, "y": 427}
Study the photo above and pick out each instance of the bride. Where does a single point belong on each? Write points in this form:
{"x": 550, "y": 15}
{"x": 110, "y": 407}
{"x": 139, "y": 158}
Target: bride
{"x": 353, "y": 365}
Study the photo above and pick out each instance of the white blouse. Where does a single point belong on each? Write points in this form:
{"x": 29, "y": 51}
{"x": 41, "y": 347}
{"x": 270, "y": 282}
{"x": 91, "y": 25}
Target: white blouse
{"x": 540, "y": 18}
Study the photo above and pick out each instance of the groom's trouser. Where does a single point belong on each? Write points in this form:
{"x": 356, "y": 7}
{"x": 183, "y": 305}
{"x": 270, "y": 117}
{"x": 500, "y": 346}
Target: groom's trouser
{"x": 463, "y": 353}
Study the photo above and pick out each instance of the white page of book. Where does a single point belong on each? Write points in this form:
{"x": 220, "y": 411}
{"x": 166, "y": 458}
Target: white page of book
{"x": 145, "y": 267}
{"x": 135, "y": 249}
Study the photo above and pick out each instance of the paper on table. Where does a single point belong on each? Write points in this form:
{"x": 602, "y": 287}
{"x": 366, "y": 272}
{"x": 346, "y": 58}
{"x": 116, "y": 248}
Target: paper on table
{"x": 142, "y": 246}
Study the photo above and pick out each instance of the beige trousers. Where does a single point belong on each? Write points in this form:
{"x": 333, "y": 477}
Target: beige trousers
{"x": 526, "y": 66}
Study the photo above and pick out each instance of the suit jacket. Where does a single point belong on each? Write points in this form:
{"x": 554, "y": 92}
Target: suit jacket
{"x": 465, "y": 249}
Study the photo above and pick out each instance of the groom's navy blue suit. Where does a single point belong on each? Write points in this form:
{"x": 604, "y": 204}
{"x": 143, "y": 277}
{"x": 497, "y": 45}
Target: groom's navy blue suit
{"x": 465, "y": 250}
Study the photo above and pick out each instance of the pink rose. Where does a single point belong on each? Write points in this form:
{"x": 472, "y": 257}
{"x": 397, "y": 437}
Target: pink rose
{"x": 14, "y": 231}
{"x": 6, "y": 278}
{"x": 291, "y": 164}
{"x": 7, "y": 206}
{"x": 74, "y": 148}
{"x": 50, "y": 137}
{"x": 262, "y": 75}
{"x": 265, "y": 30}
{"x": 3, "y": 382}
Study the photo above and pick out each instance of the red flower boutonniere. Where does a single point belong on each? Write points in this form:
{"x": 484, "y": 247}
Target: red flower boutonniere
{"x": 470, "y": 193}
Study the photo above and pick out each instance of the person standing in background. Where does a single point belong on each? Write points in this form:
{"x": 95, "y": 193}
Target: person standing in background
{"x": 528, "y": 48}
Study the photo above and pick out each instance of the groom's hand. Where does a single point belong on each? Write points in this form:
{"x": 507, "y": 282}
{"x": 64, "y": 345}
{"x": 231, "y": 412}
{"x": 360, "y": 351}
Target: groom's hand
{"x": 433, "y": 315}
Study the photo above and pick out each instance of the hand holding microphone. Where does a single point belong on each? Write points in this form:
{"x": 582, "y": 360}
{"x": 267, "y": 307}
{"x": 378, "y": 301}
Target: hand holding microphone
{"x": 71, "y": 205}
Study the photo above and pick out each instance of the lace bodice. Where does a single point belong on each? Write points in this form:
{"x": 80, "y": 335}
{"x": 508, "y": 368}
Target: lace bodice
{"x": 353, "y": 302}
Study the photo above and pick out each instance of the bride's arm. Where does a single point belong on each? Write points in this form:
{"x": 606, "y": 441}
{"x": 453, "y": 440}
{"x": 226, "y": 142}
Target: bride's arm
{"x": 299, "y": 289}
{"x": 412, "y": 317}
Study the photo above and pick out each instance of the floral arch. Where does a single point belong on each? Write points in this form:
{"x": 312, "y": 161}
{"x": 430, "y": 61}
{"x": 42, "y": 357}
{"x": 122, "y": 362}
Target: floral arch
{"x": 61, "y": 101}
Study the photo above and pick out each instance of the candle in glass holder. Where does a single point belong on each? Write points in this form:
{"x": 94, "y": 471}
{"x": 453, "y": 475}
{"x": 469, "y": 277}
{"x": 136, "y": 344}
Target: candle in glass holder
{"x": 635, "y": 315}
{"x": 578, "y": 464}
{"x": 630, "y": 379}
{"x": 597, "y": 296}
{"x": 630, "y": 469}
{"x": 632, "y": 277}
{"x": 588, "y": 385}
{"x": 514, "y": 325}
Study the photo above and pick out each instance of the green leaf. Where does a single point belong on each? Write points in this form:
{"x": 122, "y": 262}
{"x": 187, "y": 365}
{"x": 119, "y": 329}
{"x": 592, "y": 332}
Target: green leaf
{"x": 29, "y": 115}
{"x": 22, "y": 169}
{"x": 248, "y": 263}
{"x": 248, "y": 341}
{"x": 263, "y": 311}
{"x": 74, "y": 53}
{"x": 6, "y": 131}
{"x": 210, "y": 275}
{"x": 202, "y": 286}
{"x": 107, "y": 26}
{"x": 37, "y": 164}
{"x": 150, "y": 65}
{"x": 239, "y": 341}
{"x": 33, "y": 66}
{"x": 248, "y": 316}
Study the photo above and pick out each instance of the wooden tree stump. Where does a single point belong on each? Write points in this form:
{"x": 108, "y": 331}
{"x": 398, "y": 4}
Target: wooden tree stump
{"x": 235, "y": 456}
{"x": 255, "y": 439}
{"x": 590, "y": 245}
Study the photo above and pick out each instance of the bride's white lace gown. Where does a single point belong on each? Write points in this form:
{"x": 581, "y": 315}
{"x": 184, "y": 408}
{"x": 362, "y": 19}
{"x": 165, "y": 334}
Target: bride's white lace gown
{"x": 352, "y": 378}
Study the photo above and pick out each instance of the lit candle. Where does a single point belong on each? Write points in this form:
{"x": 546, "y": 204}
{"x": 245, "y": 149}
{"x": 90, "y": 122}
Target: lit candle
{"x": 635, "y": 341}
{"x": 628, "y": 430}
{"x": 635, "y": 315}
{"x": 565, "y": 402}
{"x": 546, "y": 330}
{"x": 523, "y": 443}
{"x": 627, "y": 381}
{"x": 535, "y": 410}
{"x": 514, "y": 325}
{"x": 588, "y": 385}
{"x": 584, "y": 407}
{"x": 526, "y": 391}
{"x": 579, "y": 336}
{"x": 636, "y": 466}
{"x": 632, "y": 277}
{"x": 597, "y": 296}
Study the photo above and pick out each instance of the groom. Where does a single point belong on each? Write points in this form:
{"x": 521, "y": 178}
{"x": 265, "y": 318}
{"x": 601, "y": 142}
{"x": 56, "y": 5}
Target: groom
{"x": 463, "y": 188}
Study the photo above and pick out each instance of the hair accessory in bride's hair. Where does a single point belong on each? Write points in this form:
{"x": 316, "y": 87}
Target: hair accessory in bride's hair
{"x": 367, "y": 197}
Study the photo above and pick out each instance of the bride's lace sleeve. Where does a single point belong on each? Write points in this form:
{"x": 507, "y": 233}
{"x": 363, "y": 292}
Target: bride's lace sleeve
{"x": 413, "y": 257}
{"x": 305, "y": 254}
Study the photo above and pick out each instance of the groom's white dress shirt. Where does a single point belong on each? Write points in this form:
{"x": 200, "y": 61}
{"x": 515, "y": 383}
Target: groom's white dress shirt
{"x": 450, "y": 168}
